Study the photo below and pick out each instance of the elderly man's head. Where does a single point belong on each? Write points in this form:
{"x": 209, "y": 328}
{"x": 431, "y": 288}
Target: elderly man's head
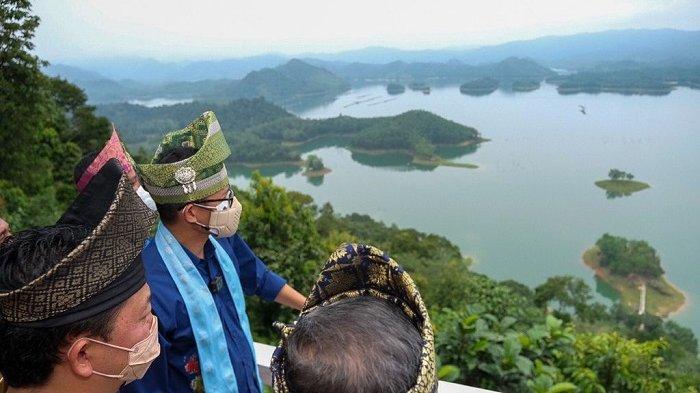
{"x": 364, "y": 328}
{"x": 360, "y": 344}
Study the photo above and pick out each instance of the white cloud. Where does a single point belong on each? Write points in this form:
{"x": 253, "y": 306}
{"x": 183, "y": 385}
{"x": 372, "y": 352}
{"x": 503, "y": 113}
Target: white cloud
{"x": 217, "y": 28}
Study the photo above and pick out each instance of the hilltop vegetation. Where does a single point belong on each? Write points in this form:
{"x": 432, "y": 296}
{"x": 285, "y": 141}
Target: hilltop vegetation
{"x": 260, "y": 132}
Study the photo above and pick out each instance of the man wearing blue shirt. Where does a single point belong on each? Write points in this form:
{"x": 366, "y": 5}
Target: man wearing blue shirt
{"x": 199, "y": 269}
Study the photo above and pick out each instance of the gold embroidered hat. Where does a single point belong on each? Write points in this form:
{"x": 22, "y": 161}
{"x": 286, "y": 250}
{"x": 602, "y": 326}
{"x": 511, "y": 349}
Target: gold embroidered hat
{"x": 102, "y": 271}
{"x": 195, "y": 177}
{"x": 362, "y": 270}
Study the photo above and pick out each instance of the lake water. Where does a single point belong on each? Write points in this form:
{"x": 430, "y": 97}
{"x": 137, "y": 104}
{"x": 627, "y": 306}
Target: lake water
{"x": 531, "y": 208}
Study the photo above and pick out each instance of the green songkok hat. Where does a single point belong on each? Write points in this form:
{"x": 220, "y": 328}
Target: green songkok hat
{"x": 195, "y": 177}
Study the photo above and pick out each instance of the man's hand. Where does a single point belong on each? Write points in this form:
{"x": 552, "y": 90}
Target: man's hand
{"x": 289, "y": 297}
{"x": 4, "y": 230}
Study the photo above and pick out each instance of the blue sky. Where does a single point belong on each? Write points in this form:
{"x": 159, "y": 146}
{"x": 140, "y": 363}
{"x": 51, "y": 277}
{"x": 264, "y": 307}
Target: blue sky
{"x": 171, "y": 29}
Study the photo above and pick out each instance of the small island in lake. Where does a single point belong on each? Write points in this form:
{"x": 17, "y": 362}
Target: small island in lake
{"x": 314, "y": 167}
{"x": 525, "y": 85}
{"x": 479, "y": 87}
{"x": 395, "y": 88}
{"x": 633, "y": 269}
{"x": 620, "y": 184}
{"x": 419, "y": 86}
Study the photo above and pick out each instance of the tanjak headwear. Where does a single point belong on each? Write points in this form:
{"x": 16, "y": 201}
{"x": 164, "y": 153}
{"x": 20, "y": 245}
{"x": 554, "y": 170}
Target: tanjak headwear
{"x": 104, "y": 270}
{"x": 195, "y": 177}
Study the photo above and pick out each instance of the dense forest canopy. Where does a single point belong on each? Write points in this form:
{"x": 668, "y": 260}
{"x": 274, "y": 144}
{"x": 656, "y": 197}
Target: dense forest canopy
{"x": 625, "y": 257}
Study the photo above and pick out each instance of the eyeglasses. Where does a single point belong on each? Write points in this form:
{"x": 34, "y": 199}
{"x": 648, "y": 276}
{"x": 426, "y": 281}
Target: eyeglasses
{"x": 225, "y": 203}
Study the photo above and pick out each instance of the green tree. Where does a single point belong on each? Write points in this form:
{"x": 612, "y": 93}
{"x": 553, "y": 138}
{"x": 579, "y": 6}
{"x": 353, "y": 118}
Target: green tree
{"x": 567, "y": 295}
{"x": 314, "y": 163}
{"x": 280, "y": 227}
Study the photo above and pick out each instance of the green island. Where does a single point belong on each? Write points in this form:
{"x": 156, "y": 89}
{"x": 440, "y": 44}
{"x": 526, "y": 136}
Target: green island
{"x": 633, "y": 269}
{"x": 261, "y": 133}
{"x": 620, "y": 184}
{"x": 525, "y": 85}
{"x": 629, "y": 79}
{"x": 479, "y": 87}
{"x": 395, "y": 88}
{"x": 314, "y": 167}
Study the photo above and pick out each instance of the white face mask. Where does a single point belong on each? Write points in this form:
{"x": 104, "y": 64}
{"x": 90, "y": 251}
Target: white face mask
{"x": 224, "y": 219}
{"x": 141, "y": 355}
{"x": 146, "y": 198}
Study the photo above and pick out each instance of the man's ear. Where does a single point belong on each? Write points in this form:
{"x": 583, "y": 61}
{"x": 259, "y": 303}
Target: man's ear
{"x": 78, "y": 358}
{"x": 188, "y": 213}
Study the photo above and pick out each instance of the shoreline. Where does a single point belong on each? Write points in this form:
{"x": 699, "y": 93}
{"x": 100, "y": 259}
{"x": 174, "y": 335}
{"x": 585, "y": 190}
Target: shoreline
{"x": 613, "y": 281}
{"x": 319, "y": 173}
{"x": 414, "y": 158}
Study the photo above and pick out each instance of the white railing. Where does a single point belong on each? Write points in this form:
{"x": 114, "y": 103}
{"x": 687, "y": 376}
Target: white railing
{"x": 264, "y": 352}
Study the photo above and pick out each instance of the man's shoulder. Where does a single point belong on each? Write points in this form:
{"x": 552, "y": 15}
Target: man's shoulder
{"x": 157, "y": 274}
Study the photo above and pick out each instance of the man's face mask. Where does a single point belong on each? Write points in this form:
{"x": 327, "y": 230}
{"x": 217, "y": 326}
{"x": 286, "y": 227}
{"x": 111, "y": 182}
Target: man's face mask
{"x": 141, "y": 355}
{"x": 224, "y": 218}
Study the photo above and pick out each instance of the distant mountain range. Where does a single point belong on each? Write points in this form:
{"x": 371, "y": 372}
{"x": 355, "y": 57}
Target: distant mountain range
{"x": 452, "y": 71}
{"x": 662, "y": 47}
{"x": 296, "y": 83}
{"x": 292, "y": 82}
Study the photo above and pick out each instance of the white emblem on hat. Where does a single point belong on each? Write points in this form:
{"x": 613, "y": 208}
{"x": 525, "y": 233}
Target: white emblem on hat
{"x": 185, "y": 176}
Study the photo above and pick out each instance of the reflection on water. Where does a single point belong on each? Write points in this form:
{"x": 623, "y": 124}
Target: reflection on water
{"x": 606, "y": 290}
{"x": 316, "y": 180}
{"x": 393, "y": 160}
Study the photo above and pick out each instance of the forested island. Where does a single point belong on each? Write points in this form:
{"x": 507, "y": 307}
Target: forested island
{"x": 395, "y": 88}
{"x": 314, "y": 167}
{"x": 633, "y": 269}
{"x": 261, "y": 133}
{"x": 479, "y": 87}
{"x": 620, "y": 184}
{"x": 628, "y": 79}
{"x": 525, "y": 85}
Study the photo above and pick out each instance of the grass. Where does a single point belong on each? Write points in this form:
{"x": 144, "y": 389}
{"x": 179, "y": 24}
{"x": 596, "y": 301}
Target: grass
{"x": 622, "y": 187}
{"x": 663, "y": 298}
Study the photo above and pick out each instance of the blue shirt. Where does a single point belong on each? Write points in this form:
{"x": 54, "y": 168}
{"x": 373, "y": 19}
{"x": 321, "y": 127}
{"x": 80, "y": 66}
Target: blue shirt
{"x": 177, "y": 367}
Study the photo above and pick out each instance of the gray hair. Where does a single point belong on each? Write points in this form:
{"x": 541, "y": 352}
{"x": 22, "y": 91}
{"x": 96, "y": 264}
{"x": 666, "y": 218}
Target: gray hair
{"x": 356, "y": 345}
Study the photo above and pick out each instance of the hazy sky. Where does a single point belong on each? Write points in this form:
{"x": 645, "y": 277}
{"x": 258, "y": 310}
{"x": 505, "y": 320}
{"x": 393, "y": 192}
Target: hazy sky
{"x": 171, "y": 29}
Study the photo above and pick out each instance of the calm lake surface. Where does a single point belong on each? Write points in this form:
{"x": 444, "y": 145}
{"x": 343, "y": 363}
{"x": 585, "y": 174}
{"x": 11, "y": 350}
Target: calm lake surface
{"x": 531, "y": 209}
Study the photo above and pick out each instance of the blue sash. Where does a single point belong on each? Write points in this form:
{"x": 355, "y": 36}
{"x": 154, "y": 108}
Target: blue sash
{"x": 214, "y": 361}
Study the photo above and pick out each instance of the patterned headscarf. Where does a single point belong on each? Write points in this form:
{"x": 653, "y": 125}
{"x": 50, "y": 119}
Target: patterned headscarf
{"x": 361, "y": 270}
{"x": 195, "y": 177}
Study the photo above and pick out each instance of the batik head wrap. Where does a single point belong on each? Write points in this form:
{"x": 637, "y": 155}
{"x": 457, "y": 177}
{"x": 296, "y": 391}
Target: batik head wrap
{"x": 195, "y": 177}
{"x": 361, "y": 270}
